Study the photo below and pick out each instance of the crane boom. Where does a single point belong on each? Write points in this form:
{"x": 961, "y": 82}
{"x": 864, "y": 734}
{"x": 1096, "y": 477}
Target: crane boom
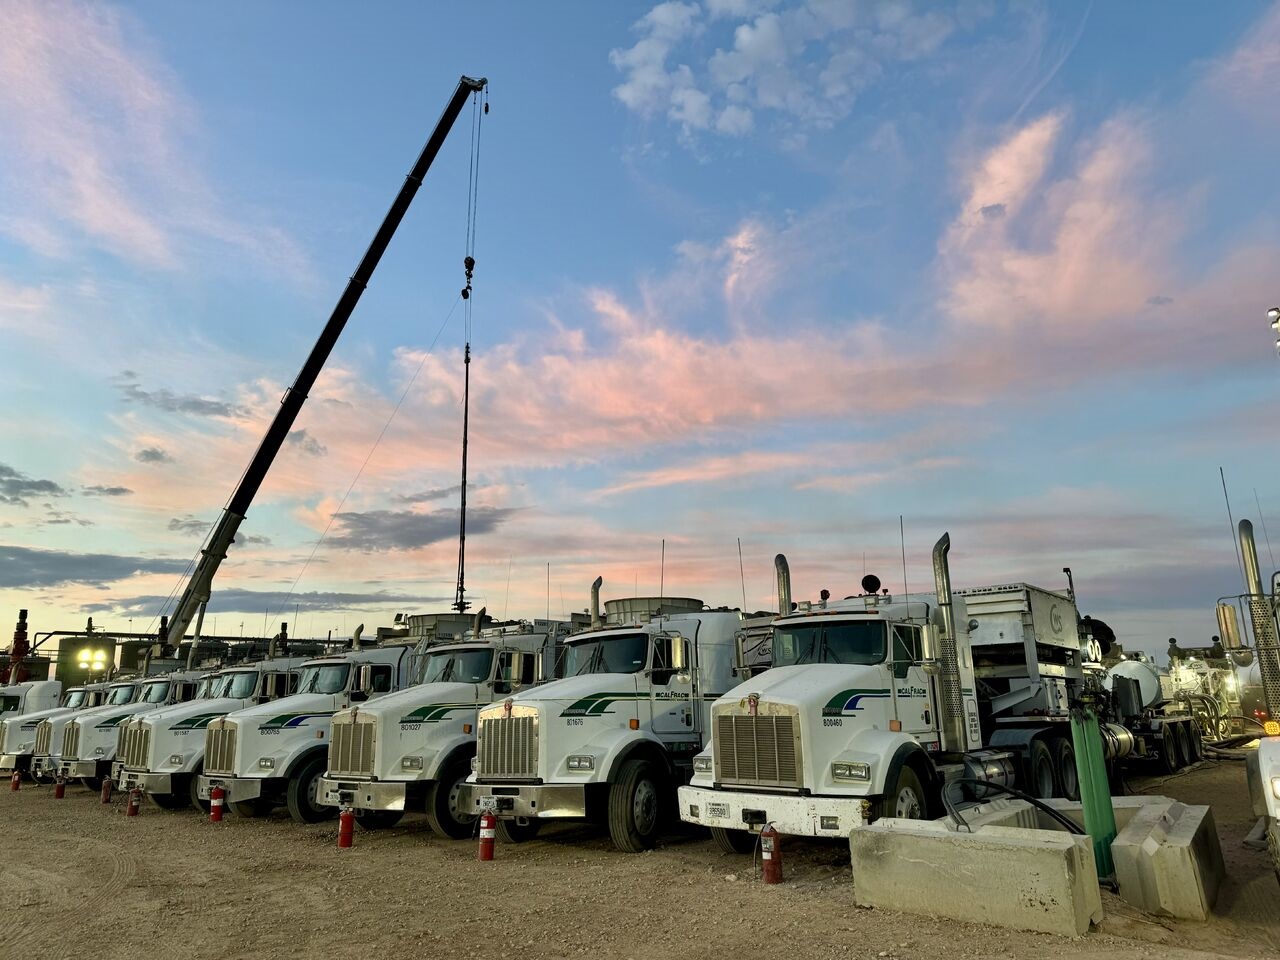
{"x": 223, "y": 535}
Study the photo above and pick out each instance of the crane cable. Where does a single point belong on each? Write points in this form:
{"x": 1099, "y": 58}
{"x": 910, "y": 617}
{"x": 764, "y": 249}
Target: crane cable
{"x": 468, "y": 264}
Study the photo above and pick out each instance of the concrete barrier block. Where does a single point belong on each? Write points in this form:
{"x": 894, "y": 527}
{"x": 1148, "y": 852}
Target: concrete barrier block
{"x": 1169, "y": 861}
{"x": 1001, "y": 812}
{"x": 1007, "y": 876}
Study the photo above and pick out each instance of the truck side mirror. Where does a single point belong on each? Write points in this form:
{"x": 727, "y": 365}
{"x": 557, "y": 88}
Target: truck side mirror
{"x": 363, "y": 682}
{"x": 929, "y": 647}
{"x": 680, "y": 658}
{"x": 517, "y": 670}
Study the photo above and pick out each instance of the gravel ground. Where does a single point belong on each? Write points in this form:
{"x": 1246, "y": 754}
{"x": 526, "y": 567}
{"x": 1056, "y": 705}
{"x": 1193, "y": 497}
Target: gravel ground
{"x": 80, "y": 880}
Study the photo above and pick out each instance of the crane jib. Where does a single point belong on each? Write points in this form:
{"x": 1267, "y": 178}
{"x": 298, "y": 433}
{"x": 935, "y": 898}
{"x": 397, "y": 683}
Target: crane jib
{"x": 199, "y": 586}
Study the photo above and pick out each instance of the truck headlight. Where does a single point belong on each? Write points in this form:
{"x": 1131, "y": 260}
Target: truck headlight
{"x": 175, "y": 759}
{"x": 97, "y": 751}
{"x": 410, "y": 763}
{"x": 1275, "y": 786}
{"x": 702, "y": 764}
{"x": 582, "y": 762}
{"x": 266, "y": 763}
{"x": 475, "y": 764}
{"x": 851, "y": 771}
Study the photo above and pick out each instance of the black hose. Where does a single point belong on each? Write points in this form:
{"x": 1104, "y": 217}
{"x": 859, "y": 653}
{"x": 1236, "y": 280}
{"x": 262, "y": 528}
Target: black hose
{"x": 1070, "y": 825}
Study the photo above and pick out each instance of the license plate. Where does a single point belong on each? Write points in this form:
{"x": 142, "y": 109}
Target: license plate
{"x": 488, "y": 804}
{"x": 718, "y": 810}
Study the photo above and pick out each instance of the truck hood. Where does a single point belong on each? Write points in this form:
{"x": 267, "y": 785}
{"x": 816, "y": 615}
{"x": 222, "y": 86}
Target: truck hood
{"x": 837, "y": 688}
{"x": 415, "y": 704}
{"x": 588, "y": 695}
{"x": 31, "y": 719}
{"x": 194, "y": 714}
{"x": 109, "y": 716}
{"x": 290, "y": 711}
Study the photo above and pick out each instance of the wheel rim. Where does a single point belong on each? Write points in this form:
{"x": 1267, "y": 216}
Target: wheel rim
{"x": 455, "y": 802}
{"x": 907, "y": 805}
{"x": 313, "y": 792}
{"x": 644, "y": 806}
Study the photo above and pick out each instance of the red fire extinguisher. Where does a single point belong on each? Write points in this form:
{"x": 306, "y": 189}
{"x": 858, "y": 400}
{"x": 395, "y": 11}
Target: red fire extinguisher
{"x": 215, "y": 804}
{"x": 770, "y": 855}
{"x": 59, "y": 788}
{"x": 134, "y": 805}
{"x": 346, "y": 828}
{"x": 107, "y": 788}
{"x": 488, "y": 830}
{"x": 15, "y": 782}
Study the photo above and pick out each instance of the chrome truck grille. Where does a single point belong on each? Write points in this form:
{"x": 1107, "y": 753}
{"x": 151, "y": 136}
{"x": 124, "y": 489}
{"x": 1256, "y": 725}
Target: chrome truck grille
{"x": 71, "y": 741}
{"x": 44, "y": 735}
{"x": 135, "y": 746}
{"x": 220, "y": 748}
{"x": 351, "y": 746}
{"x": 761, "y": 750}
{"x": 507, "y": 748}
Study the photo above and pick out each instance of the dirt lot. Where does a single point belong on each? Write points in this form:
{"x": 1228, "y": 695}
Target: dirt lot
{"x": 80, "y": 880}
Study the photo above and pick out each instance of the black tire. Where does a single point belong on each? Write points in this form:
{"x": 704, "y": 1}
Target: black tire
{"x": 1194, "y": 752}
{"x": 93, "y": 783}
{"x": 251, "y": 809}
{"x": 635, "y": 807}
{"x": 1043, "y": 775}
{"x": 445, "y": 812}
{"x": 1273, "y": 846}
{"x": 1064, "y": 762}
{"x": 193, "y": 791}
{"x": 733, "y": 841}
{"x": 1169, "y": 758}
{"x": 378, "y": 819}
{"x": 906, "y": 799}
{"x": 513, "y": 831}
{"x": 301, "y": 796}
{"x": 169, "y": 801}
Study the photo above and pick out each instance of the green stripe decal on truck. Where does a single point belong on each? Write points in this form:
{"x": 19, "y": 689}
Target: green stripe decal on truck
{"x": 595, "y": 705}
{"x": 197, "y": 723}
{"x": 850, "y": 701}
{"x": 435, "y": 712}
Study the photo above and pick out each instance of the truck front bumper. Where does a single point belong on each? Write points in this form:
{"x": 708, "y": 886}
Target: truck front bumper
{"x": 149, "y": 782}
{"x": 44, "y": 767}
{"x": 234, "y": 789}
{"x": 541, "y": 800}
{"x": 366, "y": 794}
{"x": 794, "y": 815}
{"x": 15, "y": 761}
{"x": 70, "y": 769}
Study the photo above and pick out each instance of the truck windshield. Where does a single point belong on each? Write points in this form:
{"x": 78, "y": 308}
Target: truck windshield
{"x": 119, "y": 695}
{"x": 862, "y": 641}
{"x": 324, "y": 678}
{"x": 74, "y": 698}
{"x": 240, "y": 685}
{"x": 9, "y": 703}
{"x": 461, "y": 666}
{"x": 155, "y": 692}
{"x": 622, "y": 654}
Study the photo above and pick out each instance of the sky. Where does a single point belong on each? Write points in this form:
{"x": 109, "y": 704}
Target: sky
{"x": 768, "y": 273}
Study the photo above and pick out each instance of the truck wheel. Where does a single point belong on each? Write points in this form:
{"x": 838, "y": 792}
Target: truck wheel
{"x": 250, "y": 809}
{"x": 193, "y": 790}
{"x": 635, "y": 807}
{"x": 1185, "y": 749}
{"x": 1064, "y": 761}
{"x": 1170, "y": 759}
{"x": 445, "y": 812}
{"x": 907, "y": 799}
{"x": 1044, "y": 782}
{"x": 513, "y": 831}
{"x": 733, "y": 841}
{"x": 168, "y": 801}
{"x": 303, "y": 793}
{"x": 1273, "y": 846}
{"x": 378, "y": 819}
{"x": 93, "y": 783}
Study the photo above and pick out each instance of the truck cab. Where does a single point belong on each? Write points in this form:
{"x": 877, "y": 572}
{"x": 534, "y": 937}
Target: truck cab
{"x": 612, "y": 740}
{"x": 841, "y": 728}
{"x": 18, "y": 733}
{"x": 412, "y": 750}
{"x": 162, "y": 752}
{"x": 274, "y": 753}
{"x": 47, "y": 749}
{"x": 90, "y": 738}
{"x": 29, "y": 697}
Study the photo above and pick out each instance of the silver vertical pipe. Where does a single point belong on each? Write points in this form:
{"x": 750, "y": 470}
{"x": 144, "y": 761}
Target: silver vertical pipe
{"x": 783, "y": 570}
{"x": 1262, "y": 614}
{"x": 595, "y": 602}
{"x": 948, "y": 655}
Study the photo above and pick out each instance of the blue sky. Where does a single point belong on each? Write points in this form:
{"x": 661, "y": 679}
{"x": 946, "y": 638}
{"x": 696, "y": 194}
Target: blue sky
{"x": 771, "y": 271}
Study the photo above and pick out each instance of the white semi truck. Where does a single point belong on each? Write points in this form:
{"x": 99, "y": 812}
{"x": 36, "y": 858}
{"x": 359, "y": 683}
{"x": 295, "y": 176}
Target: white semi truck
{"x": 47, "y": 751}
{"x": 874, "y": 703}
{"x": 29, "y": 697}
{"x": 89, "y": 738}
{"x": 412, "y": 750}
{"x": 612, "y": 740}
{"x": 162, "y": 752}
{"x": 277, "y": 752}
{"x": 18, "y": 733}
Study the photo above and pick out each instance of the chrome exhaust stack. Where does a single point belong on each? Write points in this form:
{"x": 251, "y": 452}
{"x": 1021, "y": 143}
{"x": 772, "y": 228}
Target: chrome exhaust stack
{"x": 783, "y": 570}
{"x": 477, "y": 622}
{"x": 595, "y": 603}
{"x": 1261, "y": 612}
{"x": 952, "y": 712}
{"x": 355, "y": 637}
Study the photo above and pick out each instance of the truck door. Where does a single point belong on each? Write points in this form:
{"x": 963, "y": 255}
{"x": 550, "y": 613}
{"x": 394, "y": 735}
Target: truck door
{"x": 912, "y": 692}
{"x": 672, "y": 707}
